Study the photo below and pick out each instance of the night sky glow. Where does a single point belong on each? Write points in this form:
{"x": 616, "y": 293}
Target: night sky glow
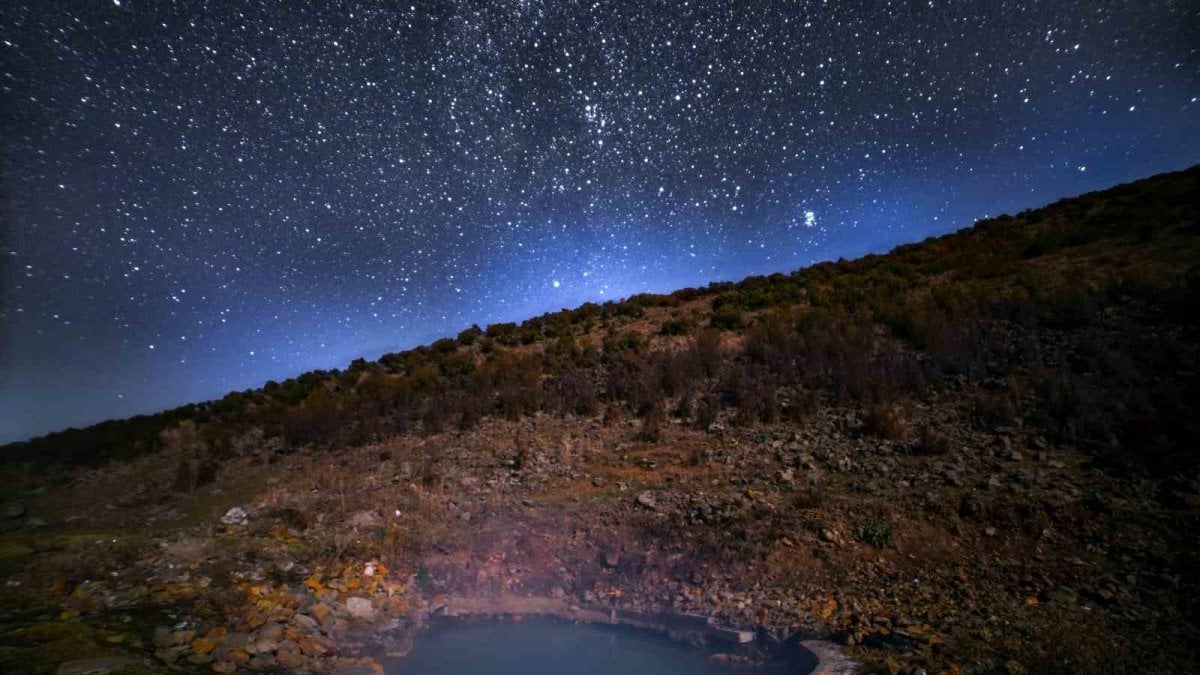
{"x": 197, "y": 197}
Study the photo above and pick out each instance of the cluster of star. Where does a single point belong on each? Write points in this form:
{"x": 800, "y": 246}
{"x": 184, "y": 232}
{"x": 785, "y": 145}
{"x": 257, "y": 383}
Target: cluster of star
{"x": 197, "y": 198}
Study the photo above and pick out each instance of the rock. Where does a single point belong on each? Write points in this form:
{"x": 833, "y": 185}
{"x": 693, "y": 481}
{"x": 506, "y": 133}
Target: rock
{"x": 787, "y": 475}
{"x": 202, "y": 645}
{"x": 234, "y": 516}
{"x": 647, "y": 499}
{"x": 730, "y": 635}
{"x": 267, "y": 639}
{"x": 270, "y": 631}
{"x": 312, "y": 647}
{"x": 357, "y": 669}
{"x": 13, "y": 511}
{"x": 611, "y": 559}
{"x": 237, "y": 640}
{"x": 262, "y": 662}
{"x": 305, "y": 622}
{"x": 290, "y": 660}
{"x": 831, "y": 660}
{"x": 262, "y": 646}
{"x": 100, "y": 666}
{"x": 320, "y": 612}
{"x": 734, "y": 659}
{"x": 360, "y": 608}
{"x": 397, "y": 648}
{"x": 363, "y": 520}
{"x": 169, "y": 655}
{"x": 599, "y": 482}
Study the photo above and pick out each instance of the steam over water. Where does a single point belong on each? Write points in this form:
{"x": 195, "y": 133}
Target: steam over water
{"x": 546, "y": 647}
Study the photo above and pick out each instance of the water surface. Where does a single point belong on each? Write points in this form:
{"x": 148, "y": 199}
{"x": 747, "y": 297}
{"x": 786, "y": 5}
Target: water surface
{"x": 550, "y": 647}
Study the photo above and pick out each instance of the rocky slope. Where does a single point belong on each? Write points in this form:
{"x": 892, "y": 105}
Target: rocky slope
{"x": 974, "y": 454}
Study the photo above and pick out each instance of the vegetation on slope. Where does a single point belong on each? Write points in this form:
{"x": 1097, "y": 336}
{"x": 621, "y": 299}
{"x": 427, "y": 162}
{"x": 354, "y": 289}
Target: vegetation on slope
{"x": 867, "y": 332}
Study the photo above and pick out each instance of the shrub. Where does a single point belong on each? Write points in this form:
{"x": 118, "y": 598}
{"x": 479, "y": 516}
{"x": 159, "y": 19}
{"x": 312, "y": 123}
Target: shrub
{"x": 707, "y": 410}
{"x": 504, "y": 333}
{"x": 652, "y": 425}
{"x": 707, "y": 348}
{"x": 727, "y": 317}
{"x": 877, "y": 533}
{"x": 885, "y": 421}
{"x": 629, "y": 340}
{"x": 932, "y": 442}
{"x": 444, "y": 346}
{"x": 676, "y": 326}
{"x": 994, "y": 410}
{"x": 808, "y": 497}
{"x": 468, "y": 337}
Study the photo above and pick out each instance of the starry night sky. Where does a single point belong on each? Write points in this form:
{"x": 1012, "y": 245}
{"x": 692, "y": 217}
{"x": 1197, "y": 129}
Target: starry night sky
{"x": 197, "y": 197}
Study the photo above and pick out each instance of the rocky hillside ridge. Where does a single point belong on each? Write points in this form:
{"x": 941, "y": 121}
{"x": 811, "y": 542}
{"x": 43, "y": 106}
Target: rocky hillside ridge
{"x": 973, "y": 454}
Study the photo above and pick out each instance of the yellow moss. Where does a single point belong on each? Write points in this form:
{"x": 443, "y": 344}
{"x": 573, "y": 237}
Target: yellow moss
{"x": 39, "y": 648}
{"x": 202, "y": 645}
{"x": 12, "y": 548}
{"x": 314, "y": 582}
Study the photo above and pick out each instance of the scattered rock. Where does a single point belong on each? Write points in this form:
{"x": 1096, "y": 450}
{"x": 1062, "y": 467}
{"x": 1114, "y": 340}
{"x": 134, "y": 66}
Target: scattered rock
{"x": 234, "y": 516}
{"x": 647, "y": 499}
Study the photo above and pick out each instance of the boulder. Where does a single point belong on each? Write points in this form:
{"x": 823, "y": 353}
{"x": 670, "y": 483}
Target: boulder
{"x": 647, "y": 499}
{"x": 360, "y": 608}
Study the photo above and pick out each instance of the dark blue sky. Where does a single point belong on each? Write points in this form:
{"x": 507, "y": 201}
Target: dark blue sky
{"x": 200, "y": 196}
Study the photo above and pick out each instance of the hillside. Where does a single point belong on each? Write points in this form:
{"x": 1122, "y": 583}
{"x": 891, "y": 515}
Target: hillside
{"x": 976, "y": 453}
